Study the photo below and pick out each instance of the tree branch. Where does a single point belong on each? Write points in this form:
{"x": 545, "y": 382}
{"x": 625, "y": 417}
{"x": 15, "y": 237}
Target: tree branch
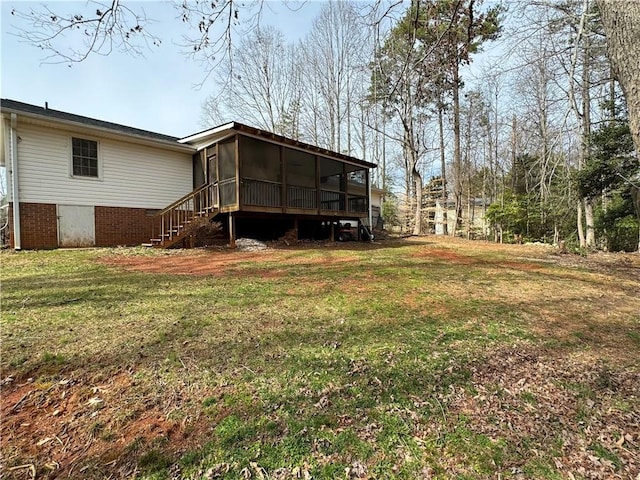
{"x": 111, "y": 26}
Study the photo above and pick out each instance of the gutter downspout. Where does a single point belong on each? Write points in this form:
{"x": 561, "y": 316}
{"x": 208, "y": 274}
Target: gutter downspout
{"x": 369, "y": 203}
{"x": 15, "y": 197}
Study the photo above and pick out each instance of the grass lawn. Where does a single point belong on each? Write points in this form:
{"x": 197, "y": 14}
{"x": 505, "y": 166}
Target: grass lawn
{"x": 418, "y": 358}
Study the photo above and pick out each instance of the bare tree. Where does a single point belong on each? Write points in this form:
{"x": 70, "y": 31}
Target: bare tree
{"x": 467, "y": 29}
{"x": 443, "y": 164}
{"x": 543, "y": 112}
{"x": 400, "y": 87}
{"x": 264, "y": 89}
{"x": 336, "y": 52}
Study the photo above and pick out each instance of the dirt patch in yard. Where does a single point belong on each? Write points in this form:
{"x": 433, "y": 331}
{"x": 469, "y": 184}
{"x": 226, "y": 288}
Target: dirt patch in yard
{"x": 450, "y": 256}
{"x": 219, "y": 263}
{"x": 200, "y": 262}
{"x": 80, "y": 427}
{"x": 446, "y": 255}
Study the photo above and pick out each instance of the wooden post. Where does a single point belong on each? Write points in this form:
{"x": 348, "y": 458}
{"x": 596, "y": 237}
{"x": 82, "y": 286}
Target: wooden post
{"x": 232, "y": 231}
{"x": 295, "y": 227}
{"x": 345, "y": 176}
{"x": 332, "y": 236}
{"x": 283, "y": 184}
{"x": 318, "y": 195}
{"x": 368, "y": 194}
{"x": 217, "y": 163}
{"x": 239, "y": 198}
{"x": 209, "y": 170}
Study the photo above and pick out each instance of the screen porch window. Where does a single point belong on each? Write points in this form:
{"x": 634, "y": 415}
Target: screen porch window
{"x": 85, "y": 157}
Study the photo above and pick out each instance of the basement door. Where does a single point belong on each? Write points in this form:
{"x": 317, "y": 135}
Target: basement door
{"x": 76, "y": 226}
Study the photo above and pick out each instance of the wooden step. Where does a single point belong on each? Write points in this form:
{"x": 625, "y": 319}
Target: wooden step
{"x": 178, "y": 231}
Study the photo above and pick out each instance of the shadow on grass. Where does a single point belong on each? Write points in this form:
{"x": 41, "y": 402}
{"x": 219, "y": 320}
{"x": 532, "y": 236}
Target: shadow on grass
{"x": 316, "y": 372}
{"x": 194, "y": 306}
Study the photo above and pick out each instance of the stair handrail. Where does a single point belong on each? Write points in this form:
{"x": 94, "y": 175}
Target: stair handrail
{"x": 173, "y": 217}
{"x": 184, "y": 199}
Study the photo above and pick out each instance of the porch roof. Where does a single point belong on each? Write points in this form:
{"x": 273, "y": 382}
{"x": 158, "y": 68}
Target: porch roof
{"x": 205, "y": 138}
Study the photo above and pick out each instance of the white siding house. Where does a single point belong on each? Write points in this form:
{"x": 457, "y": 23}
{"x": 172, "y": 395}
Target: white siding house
{"x": 83, "y": 182}
{"x": 78, "y": 181}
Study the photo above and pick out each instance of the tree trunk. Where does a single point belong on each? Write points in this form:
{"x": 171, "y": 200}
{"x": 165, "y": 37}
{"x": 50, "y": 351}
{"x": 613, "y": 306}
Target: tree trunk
{"x": 348, "y": 117}
{"x": 635, "y": 196}
{"x": 580, "y": 227}
{"x": 384, "y": 159}
{"x": 417, "y": 181}
{"x": 590, "y": 239}
{"x": 409, "y": 168}
{"x": 363, "y": 135}
{"x": 621, "y": 21}
{"x": 443, "y": 174}
{"x": 457, "y": 158}
{"x": 494, "y": 191}
{"x": 467, "y": 164}
{"x": 514, "y": 156}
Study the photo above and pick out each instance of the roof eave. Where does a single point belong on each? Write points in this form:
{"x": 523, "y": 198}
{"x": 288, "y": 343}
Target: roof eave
{"x": 174, "y": 145}
{"x": 207, "y": 133}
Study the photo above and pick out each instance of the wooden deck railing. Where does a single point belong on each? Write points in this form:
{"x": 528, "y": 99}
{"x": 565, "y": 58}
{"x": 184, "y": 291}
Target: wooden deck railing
{"x": 330, "y": 200}
{"x": 172, "y": 222}
{"x": 261, "y": 192}
{"x": 302, "y": 197}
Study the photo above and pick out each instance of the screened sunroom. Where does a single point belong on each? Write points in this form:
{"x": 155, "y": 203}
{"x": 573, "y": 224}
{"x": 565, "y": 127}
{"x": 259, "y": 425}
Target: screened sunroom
{"x": 259, "y": 178}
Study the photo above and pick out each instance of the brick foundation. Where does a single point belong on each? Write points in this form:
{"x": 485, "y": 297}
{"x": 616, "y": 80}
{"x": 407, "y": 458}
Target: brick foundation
{"x": 122, "y": 226}
{"x": 113, "y": 226}
{"x": 38, "y": 226}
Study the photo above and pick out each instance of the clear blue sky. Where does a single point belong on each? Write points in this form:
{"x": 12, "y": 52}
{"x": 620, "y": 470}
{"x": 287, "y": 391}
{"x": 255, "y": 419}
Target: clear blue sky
{"x": 154, "y": 93}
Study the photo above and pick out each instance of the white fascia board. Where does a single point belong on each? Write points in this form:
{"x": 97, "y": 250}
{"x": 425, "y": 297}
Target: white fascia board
{"x": 212, "y": 133}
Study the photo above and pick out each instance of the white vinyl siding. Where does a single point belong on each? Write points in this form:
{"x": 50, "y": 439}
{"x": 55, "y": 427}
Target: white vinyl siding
{"x": 131, "y": 175}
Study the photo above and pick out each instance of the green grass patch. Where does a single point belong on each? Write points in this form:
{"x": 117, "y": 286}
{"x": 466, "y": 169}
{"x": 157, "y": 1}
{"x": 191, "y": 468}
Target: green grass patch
{"x": 368, "y": 358}
{"x": 604, "y": 453}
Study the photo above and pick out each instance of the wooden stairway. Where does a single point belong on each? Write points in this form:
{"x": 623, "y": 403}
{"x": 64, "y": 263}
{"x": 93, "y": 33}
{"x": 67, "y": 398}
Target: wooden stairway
{"x": 177, "y": 222}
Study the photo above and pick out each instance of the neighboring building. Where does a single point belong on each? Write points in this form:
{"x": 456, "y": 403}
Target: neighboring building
{"x": 85, "y": 182}
{"x": 474, "y": 224}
